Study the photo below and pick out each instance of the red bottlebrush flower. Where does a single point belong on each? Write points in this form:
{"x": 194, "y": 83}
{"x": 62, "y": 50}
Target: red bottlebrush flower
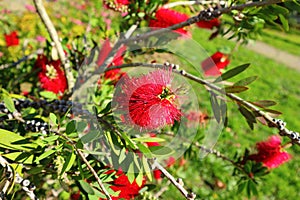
{"x": 166, "y": 17}
{"x": 52, "y": 77}
{"x": 11, "y": 39}
{"x": 209, "y": 24}
{"x": 115, "y": 74}
{"x": 157, "y": 174}
{"x": 170, "y": 161}
{"x": 75, "y": 196}
{"x": 212, "y": 65}
{"x": 127, "y": 190}
{"x": 270, "y": 153}
{"x": 148, "y": 102}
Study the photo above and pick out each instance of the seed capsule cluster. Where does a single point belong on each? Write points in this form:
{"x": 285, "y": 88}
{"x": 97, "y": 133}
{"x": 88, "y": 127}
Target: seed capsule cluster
{"x": 209, "y": 14}
{"x": 37, "y": 125}
{"x": 295, "y": 136}
{"x": 56, "y": 106}
{"x": 26, "y": 185}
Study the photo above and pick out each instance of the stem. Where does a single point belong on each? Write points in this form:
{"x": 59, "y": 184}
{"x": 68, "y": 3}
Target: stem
{"x": 184, "y": 192}
{"x": 162, "y": 190}
{"x": 202, "y": 16}
{"x": 81, "y": 155}
{"x": 54, "y": 36}
{"x": 283, "y": 131}
{"x": 188, "y": 3}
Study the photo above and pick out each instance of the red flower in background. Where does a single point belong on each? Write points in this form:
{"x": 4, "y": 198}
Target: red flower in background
{"x": 166, "y": 17}
{"x": 52, "y": 77}
{"x": 11, "y": 39}
{"x": 117, "y": 5}
{"x": 270, "y": 153}
{"x": 209, "y": 24}
{"x": 212, "y": 65}
{"x": 148, "y": 101}
{"x": 127, "y": 190}
{"x": 115, "y": 74}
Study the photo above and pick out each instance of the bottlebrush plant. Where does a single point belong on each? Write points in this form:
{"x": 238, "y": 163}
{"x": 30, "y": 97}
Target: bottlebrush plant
{"x": 118, "y": 100}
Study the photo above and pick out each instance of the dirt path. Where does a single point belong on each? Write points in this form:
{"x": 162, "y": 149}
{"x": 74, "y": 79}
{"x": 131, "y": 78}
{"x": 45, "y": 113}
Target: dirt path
{"x": 283, "y": 57}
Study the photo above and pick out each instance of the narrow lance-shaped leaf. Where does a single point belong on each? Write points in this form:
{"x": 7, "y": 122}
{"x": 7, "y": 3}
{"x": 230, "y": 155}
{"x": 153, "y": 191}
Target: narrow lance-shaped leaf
{"x": 246, "y": 81}
{"x": 284, "y": 21}
{"x": 215, "y": 107}
{"x": 86, "y": 187}
{"x": 264, "y": 103}
{"x": 235, "y": 89}
{"x": 233, "y": 72}
{"x": 9, "y": 103}
{"x": 250, "y": 117}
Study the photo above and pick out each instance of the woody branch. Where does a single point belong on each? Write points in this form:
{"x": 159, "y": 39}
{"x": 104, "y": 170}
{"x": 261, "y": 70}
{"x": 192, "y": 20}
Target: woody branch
{"x": 294, "y": 136}
{"x": 54, "y": 36}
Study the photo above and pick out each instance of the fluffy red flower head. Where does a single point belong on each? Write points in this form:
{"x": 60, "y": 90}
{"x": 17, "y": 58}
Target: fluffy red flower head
{"x": 166, "y": 17}
{"x": 270, "y": 153}
{"x": 148, "y": 101}
{"x": 11, "y": 39}
{"x": 209, "y": 24}
{"x": 115, "y": 74}
{"x": 212, "y": 65}
{"x": 127, "y": 190}
{"x": 51, "y": 76}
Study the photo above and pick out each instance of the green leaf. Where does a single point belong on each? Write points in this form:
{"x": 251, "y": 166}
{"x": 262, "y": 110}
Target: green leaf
{"x": 246, "y": 81}
{"x": 9, "y": 103}
{"x": 86, "y": 187}
{"x": 14, "y": 141}
{"x": 90, "y": 136}
{"x": 247, "y": 114}
{"x": 235, "y": 89}
{"x": 48, "y": 95}
{"x": 130, "y": 173}
{"x": 139, "y": 179}
{"x": 284, "y": 22}
{"x": 146, "y": 168}
{"x": 215, "y": 107}
{"x": 53, "y": 118}
{"x": 68, "y": 163}
{"x": 22, "y": 157}
{"x": 45, "y": 155}
{"x": 275, "y": 112}
{"x": 145, "y": 150}
{"x": 241, "y": 187}
{"x": 70, "y": 127}
{"x": 233, "y": 72}
{"x": 264, "y": 103}
{"x": 148, "y": 139}
{"x": 122, "y": 155}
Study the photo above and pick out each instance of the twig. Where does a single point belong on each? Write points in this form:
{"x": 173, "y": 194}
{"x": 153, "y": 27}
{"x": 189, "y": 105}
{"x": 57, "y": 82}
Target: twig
{"x": 54, "y": 36}
{"x": 204, "y": 15}
{"x": 179, "y": 186}
{"x": 188, "y": 3}
{"x": 294, "y": 136}
{"x": 5, "y": 66}
{"x": 81, "y": 155}
{"x": 219, "y": 155}
{"x": 162, "y": 190}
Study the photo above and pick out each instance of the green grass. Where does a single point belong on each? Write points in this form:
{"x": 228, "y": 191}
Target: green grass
{"x": 276, "y": 82}
{"x": 286, "y": 41}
